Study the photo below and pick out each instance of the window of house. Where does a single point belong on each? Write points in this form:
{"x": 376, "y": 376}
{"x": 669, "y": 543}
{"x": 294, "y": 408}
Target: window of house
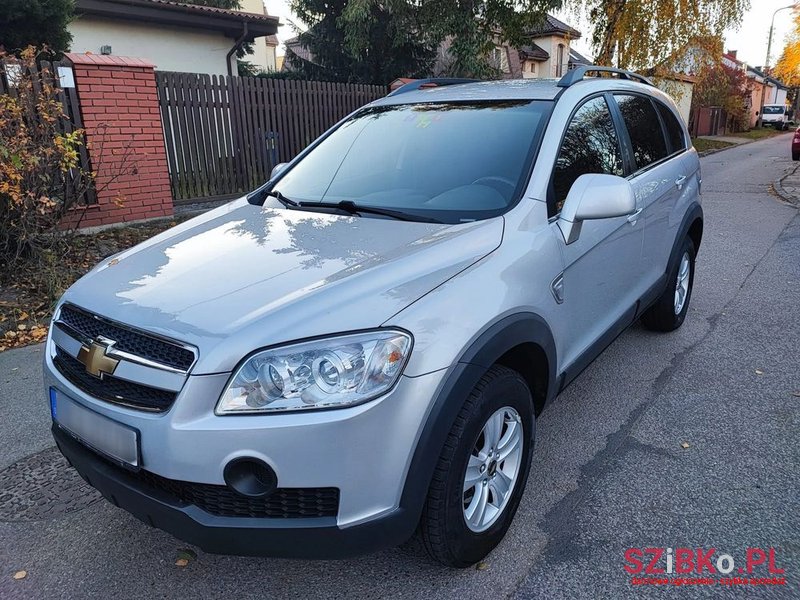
{"x": 500, "y": 59}
{"x": 560, "y": 61}
{"x": 674, "y": 130}
{"x": 644, "y": 129}
{"x": 590, "y": 145}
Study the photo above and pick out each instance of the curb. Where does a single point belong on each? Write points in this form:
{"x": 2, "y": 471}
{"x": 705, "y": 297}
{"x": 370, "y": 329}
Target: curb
{"x": 781, "y": 192}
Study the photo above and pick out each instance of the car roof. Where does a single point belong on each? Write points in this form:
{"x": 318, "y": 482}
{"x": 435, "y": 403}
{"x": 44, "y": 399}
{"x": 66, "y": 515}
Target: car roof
{"x": 508, "y": 89}
{"x": 511, "y": 89}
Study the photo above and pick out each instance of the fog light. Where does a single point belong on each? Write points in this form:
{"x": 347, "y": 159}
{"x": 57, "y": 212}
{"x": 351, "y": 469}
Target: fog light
{"x": 250, "y": 477}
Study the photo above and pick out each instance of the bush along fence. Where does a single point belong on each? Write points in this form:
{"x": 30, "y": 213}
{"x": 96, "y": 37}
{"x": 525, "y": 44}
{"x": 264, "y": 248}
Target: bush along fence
{"x": 54, "y": 73}
{"x": 224, "y": 134}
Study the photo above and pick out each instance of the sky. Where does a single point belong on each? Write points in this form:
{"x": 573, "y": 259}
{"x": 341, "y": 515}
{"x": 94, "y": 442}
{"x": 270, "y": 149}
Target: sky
{"x": 750, "y": 39}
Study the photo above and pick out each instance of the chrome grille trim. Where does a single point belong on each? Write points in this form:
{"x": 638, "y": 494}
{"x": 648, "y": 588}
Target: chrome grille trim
{"x": 138, "y": 333}
{"x": 130, "y": 368}
{"x": 70, "y": 339}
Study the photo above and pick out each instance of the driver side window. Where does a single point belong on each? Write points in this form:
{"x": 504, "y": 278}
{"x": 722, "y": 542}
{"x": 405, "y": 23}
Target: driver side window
{"x": 590, "y": 145}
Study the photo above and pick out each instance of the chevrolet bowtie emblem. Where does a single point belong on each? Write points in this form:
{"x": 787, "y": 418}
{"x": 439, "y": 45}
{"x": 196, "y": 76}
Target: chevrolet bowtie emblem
{"x": 94, "y": 357}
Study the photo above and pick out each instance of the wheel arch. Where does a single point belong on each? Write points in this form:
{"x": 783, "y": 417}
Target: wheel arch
{"x": 691, "y": 227}
{"x": 517, "y": 341}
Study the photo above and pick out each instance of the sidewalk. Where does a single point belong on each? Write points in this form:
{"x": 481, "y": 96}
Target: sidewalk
{"x": 788, "y": 187}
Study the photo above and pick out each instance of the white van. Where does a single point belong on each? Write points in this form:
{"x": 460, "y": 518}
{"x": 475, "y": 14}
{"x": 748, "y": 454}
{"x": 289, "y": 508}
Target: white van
{"x": 776, "y": 115}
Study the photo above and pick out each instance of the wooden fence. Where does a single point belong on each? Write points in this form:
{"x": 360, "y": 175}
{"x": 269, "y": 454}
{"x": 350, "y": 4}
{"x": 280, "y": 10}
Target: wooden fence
{"x": 50, "y": 73}
{"x": 225, "y": 134}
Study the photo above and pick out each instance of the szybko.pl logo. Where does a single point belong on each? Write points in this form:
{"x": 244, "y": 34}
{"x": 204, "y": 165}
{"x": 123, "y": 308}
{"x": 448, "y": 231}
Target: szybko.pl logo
{"x": 703, "y": 566}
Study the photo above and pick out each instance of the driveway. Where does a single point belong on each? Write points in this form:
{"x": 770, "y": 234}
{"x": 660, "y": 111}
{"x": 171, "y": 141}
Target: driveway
{"x": 681, "y": 440}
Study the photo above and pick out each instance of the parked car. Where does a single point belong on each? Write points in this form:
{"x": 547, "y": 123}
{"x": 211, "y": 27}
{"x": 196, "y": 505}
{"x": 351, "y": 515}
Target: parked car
{"x": 796, "y": 145}
{"x": 359, "y": 349}
{"x": 776, "y": 115}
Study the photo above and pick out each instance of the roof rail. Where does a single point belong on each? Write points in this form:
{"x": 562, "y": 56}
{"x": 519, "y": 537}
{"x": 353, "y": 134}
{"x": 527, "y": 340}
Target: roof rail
{"x": 578, "y": 73}
{"x": 433, "y": 82}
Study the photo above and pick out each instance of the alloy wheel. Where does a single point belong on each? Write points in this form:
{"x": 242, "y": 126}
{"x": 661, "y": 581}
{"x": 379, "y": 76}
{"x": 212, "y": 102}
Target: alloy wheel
{"x": 493, "y": 469}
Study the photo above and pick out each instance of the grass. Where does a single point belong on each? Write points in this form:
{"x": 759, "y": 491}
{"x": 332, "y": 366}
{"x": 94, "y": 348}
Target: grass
{"x": 759, "y": 134}
{"x": 702, "y": 145}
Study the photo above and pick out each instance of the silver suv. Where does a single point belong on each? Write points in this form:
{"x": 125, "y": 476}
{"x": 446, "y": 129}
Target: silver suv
{"x": 358, "y": 350}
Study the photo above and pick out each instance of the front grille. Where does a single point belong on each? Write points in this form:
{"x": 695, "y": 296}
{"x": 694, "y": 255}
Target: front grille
{"x": 110, "y": 388}
{"x": 283, "y": 503}
{"x": 128, "y": 340}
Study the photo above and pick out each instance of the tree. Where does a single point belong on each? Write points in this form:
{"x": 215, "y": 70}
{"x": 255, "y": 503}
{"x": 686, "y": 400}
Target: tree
{"x": 381, "y": 40}
{"x": 788, "y": 67}
{"x": 636, "y": 34}
{"x": 718, "y": 84}
{"x": 388, "y": 44}
{"x": 41, "y": 23}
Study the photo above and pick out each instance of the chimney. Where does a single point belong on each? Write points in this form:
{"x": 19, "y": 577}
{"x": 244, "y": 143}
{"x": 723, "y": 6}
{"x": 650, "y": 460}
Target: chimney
{"x": 732, "y": 53}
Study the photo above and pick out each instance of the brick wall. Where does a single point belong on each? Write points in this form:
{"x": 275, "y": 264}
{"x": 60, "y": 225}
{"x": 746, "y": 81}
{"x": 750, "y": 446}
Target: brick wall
{"x": 119, "y": 107}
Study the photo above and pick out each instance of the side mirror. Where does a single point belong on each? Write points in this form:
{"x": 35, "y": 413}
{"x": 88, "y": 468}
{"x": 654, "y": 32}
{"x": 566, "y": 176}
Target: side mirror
{"x": 595, "y": 196}
{"x": 276, "y": 170}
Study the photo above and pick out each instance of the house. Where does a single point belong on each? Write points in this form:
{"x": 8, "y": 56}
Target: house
{"x": 679, "y": 86}
{"x": 576, "y": 59}
{"x": 264, "y": 55}
{"x": 547, "y": 53}
{"x": 761, "y": 86}
{"x": 174, "y": 36}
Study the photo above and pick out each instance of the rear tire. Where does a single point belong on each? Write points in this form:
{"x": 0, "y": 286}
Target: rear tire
{"x": 467, "y": 513}
{"x": 795, "y": 155}
{"x": 669, "y": 311}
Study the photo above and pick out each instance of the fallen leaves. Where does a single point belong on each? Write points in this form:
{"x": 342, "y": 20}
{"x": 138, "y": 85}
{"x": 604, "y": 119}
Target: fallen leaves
{"x": 481, "y": 566}
{"x": 27, "y": 296}
{"x": 20, "y": 575}
{"x": 185, "y": 556}
{"x": 23, "y": 336}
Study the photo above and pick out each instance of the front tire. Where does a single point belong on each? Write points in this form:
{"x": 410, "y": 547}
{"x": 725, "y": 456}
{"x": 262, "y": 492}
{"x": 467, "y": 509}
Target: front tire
{"x": 669, "y": 311}
{"x": 481, "y": 473}
{"x": 795, "y": 155}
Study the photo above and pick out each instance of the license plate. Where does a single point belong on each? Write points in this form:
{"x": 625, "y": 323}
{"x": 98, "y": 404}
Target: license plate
{"x": 103, "y": 435}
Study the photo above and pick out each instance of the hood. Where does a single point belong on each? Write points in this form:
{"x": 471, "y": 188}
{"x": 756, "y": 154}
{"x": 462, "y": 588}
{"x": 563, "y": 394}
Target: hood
{"x": 242, "y": 277}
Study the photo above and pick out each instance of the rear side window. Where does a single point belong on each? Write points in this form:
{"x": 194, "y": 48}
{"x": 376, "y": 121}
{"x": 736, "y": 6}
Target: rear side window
{"x": 590, "y": 146}
{"x": 644, "y": 129}
{"x": 673, "y": 127}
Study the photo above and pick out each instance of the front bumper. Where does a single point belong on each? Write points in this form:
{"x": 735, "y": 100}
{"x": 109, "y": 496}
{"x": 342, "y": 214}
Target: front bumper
{"x": 316, "y": 538}
{"x": 365, "y": 452}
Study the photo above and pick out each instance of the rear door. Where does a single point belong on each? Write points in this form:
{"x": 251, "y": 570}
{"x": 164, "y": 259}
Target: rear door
{"x": 659, "y": 175}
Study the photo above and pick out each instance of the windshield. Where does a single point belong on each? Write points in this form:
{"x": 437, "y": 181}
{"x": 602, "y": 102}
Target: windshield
{"x": 773, "y": 110}
{"x": 451, "y": 162}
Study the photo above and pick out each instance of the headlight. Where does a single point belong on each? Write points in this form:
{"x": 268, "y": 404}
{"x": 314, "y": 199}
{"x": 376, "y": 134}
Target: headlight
{"x": 328, "y": 373}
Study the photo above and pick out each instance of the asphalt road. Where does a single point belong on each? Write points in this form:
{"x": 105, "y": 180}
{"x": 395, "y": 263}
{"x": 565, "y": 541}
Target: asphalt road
{"x": 610, "y": 470}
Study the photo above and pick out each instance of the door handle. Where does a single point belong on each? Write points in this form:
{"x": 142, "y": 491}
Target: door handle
{"x": 680, "y": 181}
{"x": 632, "y": 218}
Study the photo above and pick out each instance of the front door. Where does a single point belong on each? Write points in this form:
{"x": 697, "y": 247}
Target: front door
{"x": 602, "y": 268}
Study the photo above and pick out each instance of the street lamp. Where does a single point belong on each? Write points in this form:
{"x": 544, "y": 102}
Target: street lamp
{"x": 766, "y": 62}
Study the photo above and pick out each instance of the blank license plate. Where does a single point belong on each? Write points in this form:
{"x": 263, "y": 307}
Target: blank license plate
{"x": 115, "y": 440}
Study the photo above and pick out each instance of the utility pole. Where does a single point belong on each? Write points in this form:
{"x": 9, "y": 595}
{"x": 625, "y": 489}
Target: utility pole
{"x": 765, "y": 68}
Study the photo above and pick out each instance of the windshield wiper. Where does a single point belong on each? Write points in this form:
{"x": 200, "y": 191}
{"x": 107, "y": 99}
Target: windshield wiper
{"x": 288, "y": 202}
{"x": 352, "y": 208}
